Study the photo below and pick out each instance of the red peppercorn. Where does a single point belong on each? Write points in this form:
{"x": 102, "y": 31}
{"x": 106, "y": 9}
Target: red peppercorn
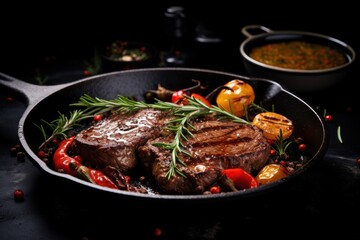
{"x": 9, "y": 99}
{"x": 41, "y": 154}
{"x": 328, "y": 118}
{"x": 20, "y": 156}
{"x": 272, "y": 152}
{"x": 98, "y": 118}
{"x": 215, "y": 189}
{"x": 157, "y": 232}
{"x": 55, "y": 142}
{"x": 18, "y": 195}
{"x": 283, "y": 163}
{"x": 302, "y": 147}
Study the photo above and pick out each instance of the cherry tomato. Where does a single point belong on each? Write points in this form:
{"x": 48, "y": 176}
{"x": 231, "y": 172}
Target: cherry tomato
{"x": 237, "y": 99}
{"x": 271, "y": 123}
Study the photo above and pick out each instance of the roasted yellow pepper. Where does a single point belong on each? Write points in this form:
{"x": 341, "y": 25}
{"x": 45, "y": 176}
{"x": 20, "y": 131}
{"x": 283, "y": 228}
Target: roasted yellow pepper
{"x": 237, "y": 98}
{"x": 271, "y": 173}
{"x": 271, "y": 123}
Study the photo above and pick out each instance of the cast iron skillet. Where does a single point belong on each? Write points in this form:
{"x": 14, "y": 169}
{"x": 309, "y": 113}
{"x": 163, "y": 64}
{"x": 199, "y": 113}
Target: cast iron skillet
{"x": 44, "y": 102}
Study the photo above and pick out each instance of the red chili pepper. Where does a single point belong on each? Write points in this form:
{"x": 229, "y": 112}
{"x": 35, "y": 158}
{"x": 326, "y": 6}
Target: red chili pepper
{"x": 241, "y": 178}
{"x": 201, "y": 98}
{"x": 179, "y": 98}
{"x": 96, "y": 177}
{"x": 63, "y": 162}
{"x": 66, "y": 164}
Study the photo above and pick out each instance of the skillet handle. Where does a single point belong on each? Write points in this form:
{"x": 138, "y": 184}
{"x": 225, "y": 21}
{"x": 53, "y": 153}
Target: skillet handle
{"x": 245, "y": 30}
{"x": 30, "y": 92}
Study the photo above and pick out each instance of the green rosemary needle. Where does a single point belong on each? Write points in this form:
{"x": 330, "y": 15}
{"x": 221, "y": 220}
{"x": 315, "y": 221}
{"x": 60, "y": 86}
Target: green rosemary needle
{"x": 281, "y": 145}
{"x": 62, "y": 125}
{"x": 180, "y": 123}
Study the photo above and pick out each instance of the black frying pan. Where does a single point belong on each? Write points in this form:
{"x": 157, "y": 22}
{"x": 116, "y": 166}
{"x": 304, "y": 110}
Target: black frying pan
{"x": 44, "y": 102}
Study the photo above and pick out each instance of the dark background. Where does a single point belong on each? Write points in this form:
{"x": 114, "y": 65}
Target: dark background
{"x": 30, "y": 32}
{"x": 321, "y": 204}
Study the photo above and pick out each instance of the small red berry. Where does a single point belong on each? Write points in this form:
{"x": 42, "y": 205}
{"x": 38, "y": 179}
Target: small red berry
{"x": 19, "y": 195}
{"x": 41, "y": 154}
{"x": 157, "y": 232}
{"x": 358, "y": 162}
{"x": 9, "y": 99}
{"x": 86, "y": 73}
{"x": 215, "y": 189}
{"x": 55, "y": 142}
{"x": 98, "y": 118}
{"x": 328, "y": 118}
{"x": 272, "y": 152}
{"x": 20, "y": 156}
{"x": 302, "y": 147}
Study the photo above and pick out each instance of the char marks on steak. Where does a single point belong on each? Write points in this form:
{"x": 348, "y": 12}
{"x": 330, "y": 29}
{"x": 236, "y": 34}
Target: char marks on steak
{"x": 114, "y": 140}
{"x": 215, "y": 145}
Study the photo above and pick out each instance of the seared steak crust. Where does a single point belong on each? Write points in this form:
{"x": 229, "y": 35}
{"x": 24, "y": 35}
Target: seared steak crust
{"x": 215, "y": 145}
{"x": 114, "y": 140}
{"x": 123, "y": 140}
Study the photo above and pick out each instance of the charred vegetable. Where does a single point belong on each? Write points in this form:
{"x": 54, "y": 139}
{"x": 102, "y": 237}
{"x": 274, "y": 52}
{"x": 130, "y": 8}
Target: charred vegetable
{"x": 237, "y": 98}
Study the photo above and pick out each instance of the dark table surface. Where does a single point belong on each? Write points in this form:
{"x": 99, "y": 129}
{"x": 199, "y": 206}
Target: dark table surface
{"x": 323, "y": 202}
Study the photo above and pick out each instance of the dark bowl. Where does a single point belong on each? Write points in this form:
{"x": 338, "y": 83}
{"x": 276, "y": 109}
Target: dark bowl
{"x": 124, "y": 55}
{"x": 299, "y": 80}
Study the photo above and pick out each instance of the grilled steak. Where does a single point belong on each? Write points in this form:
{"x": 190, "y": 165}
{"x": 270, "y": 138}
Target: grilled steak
{"x": 114, "y": 140}
{"x": 215, "y": 145}
{"x": 123, "y": 140}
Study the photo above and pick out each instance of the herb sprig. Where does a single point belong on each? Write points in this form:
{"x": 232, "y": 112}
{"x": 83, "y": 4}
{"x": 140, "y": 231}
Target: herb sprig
{"x": 280, "y": 145}
{"x": 62, "y": 125}
{"x": 179, "y": 125}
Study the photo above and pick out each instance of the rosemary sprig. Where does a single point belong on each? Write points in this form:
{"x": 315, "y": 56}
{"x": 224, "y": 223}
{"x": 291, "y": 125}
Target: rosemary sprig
{"x": 281, "y": 145}
{"x": 62, "y": 125}
{"x": 179, "y": 125}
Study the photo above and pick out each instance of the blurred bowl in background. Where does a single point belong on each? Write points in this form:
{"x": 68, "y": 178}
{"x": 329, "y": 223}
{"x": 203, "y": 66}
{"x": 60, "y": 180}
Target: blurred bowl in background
{"x": 300, "y": 61}
{"x": 124, "y": 55}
